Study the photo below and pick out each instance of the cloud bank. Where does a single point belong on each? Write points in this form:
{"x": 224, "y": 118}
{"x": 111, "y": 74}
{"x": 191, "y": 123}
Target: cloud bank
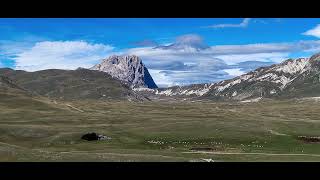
{"x": 61, "y": 55}
{"x": 313, "y": 32}
{"x": 187, "y": 60}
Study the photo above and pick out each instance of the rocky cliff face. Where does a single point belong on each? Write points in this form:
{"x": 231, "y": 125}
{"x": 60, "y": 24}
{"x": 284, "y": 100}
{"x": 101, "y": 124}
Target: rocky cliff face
{"x": 128, "y": 69}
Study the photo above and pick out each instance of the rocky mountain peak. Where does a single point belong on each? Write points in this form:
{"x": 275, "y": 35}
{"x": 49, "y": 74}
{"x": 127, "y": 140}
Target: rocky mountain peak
{"x": 128, "y": 69}
{"x": 292, "y": 66}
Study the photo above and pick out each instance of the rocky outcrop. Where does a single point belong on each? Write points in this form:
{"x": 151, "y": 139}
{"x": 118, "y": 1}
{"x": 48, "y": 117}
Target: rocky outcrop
{"x": 128, "y": 69}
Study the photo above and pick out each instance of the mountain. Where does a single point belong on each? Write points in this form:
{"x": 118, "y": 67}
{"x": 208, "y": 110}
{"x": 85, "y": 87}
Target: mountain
{"x": 308, "y": 83}
{"x": 291, "y": 78}
{"x": 71, "y": 84}
{"x": 128, "y": 69}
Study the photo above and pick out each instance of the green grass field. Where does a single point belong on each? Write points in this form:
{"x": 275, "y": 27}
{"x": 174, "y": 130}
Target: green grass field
{"x": 44, "y": 130}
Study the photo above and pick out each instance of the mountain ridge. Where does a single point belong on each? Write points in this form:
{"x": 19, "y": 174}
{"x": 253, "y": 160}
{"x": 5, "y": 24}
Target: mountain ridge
{"x": 277, "y": 80}
{"x": 289, "y": 79}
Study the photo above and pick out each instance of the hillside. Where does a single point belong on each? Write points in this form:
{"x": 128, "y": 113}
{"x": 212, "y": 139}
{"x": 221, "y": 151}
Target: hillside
{"x": 8, "y": 86}
{"x": 71, "y": 84}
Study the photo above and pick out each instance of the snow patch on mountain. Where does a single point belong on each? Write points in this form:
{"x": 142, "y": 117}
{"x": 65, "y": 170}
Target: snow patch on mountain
{"x": 232, "y": 83}
{"x": 143, "y": 89}
{"x": 294, "y": 66}
{"x": 167, "y": 92}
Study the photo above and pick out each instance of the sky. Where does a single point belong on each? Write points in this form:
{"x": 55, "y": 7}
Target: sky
{"x": 177, "y": 51}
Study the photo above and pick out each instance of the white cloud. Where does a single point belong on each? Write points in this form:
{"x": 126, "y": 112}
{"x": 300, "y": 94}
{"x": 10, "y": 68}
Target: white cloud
{"x": 252, "y": 48}
{"x": 179, "y": 65}
{"x": 61, "y": 55}
{"x": 187, "y": 60}
{"x": 160, "y": 78}
{"x": 243, "y": 24}
{"x": 167, "y": 78}
{"x": 313, "y": 32}
{"x": 203, "y": 70}
{"x": 234, "y": 72}
{"x": 228, "y": 54}
{"x": 191, "y": 42}
{"x": 232, "y": 59}
{"x": 9, "y": 48}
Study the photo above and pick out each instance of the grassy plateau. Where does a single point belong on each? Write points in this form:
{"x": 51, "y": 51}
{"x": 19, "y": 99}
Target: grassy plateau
{"x": 38, "y": 129}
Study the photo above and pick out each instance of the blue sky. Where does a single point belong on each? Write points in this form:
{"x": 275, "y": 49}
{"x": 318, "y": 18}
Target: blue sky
{"x": 177, "y": 51}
